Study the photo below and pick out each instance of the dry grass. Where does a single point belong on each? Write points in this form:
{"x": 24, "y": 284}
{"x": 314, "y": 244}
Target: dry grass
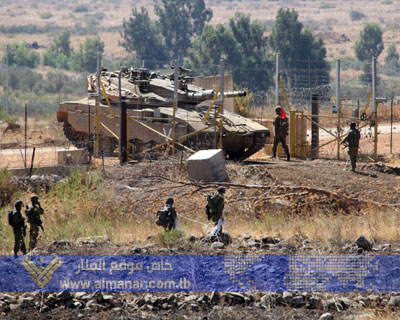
{"x": 84, "y": 208}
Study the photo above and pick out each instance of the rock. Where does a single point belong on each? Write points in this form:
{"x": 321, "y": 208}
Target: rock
{"x": 326, "y": 316}
{"x": 287, "y": 297}
{"x": 136, "y": 250}
{"x": 330, "y": 305}
{"x": 171, "y": 298}
{"x": 108, "y": 298}
{"x": 190, "y": 298}
{"x": 269, "y": 240}
{"x": 215, "y": 298}
{"x": 394, "y": 302}
{"x": 314, "y": 303}
{"x": 246, "y": 237}
{"x": 217, "y": 245}
{"x": 194, "y": 307}
{"x": 203, "y": 299}
{"x": 207, "y": 166}
{"x": 14, "y": 306}
{"x": 25, "y": 303}
{"x": 298, "y": 302}
{"x": 345, "y": 303}
{"x": 9, "y": 298}
{"x": 253, "y": 244}
{"x": 64, "y": 296}
{"x": 363, "y": 243}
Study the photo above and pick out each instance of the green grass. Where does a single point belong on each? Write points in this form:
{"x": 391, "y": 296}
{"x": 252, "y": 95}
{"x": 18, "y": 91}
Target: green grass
{"x": 327, "y": 6}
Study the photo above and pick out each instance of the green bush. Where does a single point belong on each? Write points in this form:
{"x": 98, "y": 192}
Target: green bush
{"x": 356, "y": 15}
{"x": 19, "y": 55}
{"x": 327, "y": 6}
{"x": 81, "y": 8}
{"x": 29, "y": 29}
{"x": 46, "y": 15}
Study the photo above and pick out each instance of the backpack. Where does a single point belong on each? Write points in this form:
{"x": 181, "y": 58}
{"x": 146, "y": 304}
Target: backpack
{"x": 212, "y": 202}
{"x": 163, "y": 217}
{"x": 285, "y": 125}
{"x": 10, "y": 218}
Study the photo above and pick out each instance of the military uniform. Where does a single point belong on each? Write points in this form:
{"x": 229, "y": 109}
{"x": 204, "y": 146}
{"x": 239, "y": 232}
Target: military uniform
{"x": 280, "y": 136}
{"x": 171, "y": 218}
{"x": 217, "y": 208}
{"x": 19, "y": 229}
{"x": 353, "y": 140}
{"x": 33, "y": 213}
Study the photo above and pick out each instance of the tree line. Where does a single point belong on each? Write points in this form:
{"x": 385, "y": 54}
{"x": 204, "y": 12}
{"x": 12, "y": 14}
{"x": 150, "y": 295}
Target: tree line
{"x": 59, "y": 55}
{"x": 181, "y": 30}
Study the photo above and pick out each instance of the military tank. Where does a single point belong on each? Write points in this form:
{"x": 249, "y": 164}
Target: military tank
{"x": 149, "y": 98}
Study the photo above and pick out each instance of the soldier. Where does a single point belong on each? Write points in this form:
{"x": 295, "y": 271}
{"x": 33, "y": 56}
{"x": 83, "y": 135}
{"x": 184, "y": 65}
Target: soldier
{"x": 167, "y": 217}
{"x": 33, "y": 214}
{"x": 215, "y": 208}
{"x": 352, "y": 140}
{"x": 17, "y": 221}
{"x": 281, "y": 131}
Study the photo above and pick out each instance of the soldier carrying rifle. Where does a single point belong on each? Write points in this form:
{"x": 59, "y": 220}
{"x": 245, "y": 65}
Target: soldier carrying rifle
{"x": 33, "y": 213}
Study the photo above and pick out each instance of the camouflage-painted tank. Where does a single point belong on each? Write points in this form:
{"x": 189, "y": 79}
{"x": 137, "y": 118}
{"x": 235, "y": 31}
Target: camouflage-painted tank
{"x": 149, "y": 98}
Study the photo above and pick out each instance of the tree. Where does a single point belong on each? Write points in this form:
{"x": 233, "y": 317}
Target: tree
{"x": 392, "y": 61}
{"x": 180, "y": 21}
{"x": 370, "y": 43}
{"x": 61, "y": 46}
{"x": 368, "y": 46}
{"x": 19, "y": 55}
{"x": 85, "y": 59}
{"x": 141, "y": 35}
{"x": 244, "y": 48}
{"x": 301, "y": 53}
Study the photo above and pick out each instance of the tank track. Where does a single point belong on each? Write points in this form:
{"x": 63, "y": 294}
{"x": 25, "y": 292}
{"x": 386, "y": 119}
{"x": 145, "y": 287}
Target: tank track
{"x": 80, "y": 139}
{"x": 258, "y": 144}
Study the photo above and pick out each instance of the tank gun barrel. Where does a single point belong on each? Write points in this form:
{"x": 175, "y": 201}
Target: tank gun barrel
{"x": 234, "y": 94}
{"x": 209, "y": 94}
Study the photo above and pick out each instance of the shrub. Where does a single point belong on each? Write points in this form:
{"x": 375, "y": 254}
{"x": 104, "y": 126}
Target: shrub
{"x": 19, "y": 55}
{"x": 327, "y": 6}
{"x": 81, "y": 8}
{"x": 45, "y": 15}
{"x": 356, "y": 15}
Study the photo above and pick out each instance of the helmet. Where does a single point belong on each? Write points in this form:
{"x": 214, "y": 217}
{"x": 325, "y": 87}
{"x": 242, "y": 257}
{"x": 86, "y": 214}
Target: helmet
{"x": 19, "y": 203}
{"x": 221, "y": 189}
{"x": 353, "y": 125}
{"x": 278, "y": 110}
{"x": 170, "y": 200}
{"x": 34, "y": 198}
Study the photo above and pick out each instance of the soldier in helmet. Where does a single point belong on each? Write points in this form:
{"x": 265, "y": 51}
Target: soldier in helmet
{"x": 281, "y": 131}
{"x": 215, "y": 208}
{"x": 352, "y": 140}
{"x": 33, "y": 213}
{"x": 167, "y": 217}
{"x": 17, "y": 222}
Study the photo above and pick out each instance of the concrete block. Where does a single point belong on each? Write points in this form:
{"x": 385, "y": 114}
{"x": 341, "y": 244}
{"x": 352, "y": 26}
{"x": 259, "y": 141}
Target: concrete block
{"x": 207, "y": 166}
{"x": 72, "y": 157}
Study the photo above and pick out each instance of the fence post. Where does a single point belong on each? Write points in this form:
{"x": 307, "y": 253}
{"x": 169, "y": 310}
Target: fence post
{"x": 314, "y": 127}
{"x": 277, "y": 79}
{"x": 374, "y": 109}
{"x": 337, "y": 93}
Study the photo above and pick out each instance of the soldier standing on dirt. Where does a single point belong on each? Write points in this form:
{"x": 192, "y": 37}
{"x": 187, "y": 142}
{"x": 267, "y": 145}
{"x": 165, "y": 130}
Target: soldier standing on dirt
{"x": 17, "y": 222}
{"x": 215, "y": 208}
{"x": 353, "y": 140}
{"x": 33, "y": 214}
{"x": 167, "y": 217}
{"x": 281, "y": 131}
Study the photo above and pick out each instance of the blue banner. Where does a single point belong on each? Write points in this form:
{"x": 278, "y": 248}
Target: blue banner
{"x": 233, "y": 273}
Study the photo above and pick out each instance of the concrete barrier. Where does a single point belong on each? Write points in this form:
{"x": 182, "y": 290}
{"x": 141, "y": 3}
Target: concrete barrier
{"x": 207, "y": 166}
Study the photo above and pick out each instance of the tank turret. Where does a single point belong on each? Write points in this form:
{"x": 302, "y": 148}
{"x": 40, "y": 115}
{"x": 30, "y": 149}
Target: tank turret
{"x": 149, "y": 97}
